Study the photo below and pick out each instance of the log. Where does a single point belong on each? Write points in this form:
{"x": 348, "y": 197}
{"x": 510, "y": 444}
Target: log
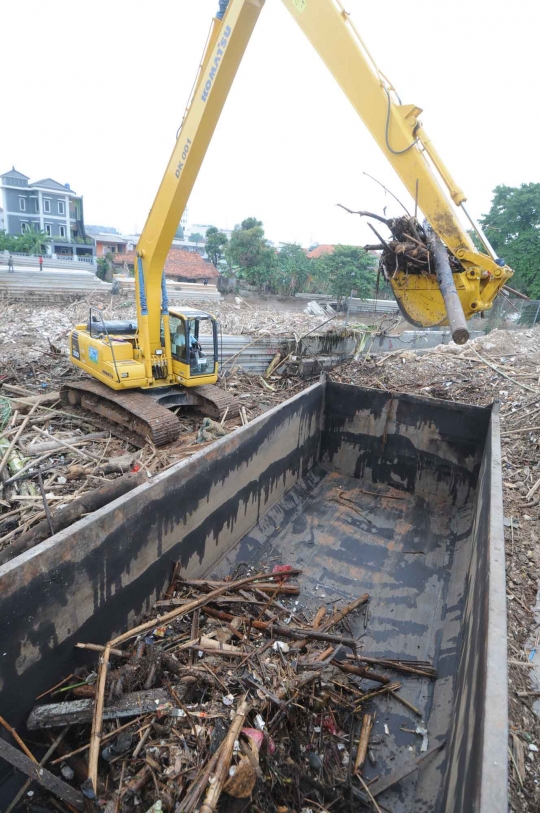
{"x": 36, "y": 449}
{"x": 117, "y": 464}
{"x": 75, "y": 712}
{"x": 24, "y": 404}
{"x": 65, "y": 517}
{"x": 45, "y": 778}
{"x": 454, "y": 310}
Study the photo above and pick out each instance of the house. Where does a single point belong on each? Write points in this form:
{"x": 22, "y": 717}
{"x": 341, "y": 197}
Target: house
{"x": 318, "y": 251}
{"x": 180, "y": 266}
{"x": 46, "y": 206}
{"x": 108, "y": 243}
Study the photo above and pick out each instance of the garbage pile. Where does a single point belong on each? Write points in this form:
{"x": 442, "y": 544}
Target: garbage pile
{"x": 230, "y": 695}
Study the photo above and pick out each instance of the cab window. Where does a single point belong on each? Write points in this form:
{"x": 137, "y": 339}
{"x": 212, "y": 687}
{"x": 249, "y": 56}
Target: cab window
{"x": 178, "y": 337}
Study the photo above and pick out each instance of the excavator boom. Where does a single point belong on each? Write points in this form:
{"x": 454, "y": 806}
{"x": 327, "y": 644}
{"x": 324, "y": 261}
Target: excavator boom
{"x": 396, "y": 128}
{"x": 446, "y": 282}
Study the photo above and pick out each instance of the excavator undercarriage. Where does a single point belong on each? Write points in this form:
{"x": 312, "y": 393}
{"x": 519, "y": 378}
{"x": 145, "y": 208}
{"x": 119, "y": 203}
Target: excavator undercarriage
{"x": 147, "y": 416}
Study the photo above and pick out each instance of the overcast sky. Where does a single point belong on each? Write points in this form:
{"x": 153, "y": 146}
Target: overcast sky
{"x": 93, "y": 91}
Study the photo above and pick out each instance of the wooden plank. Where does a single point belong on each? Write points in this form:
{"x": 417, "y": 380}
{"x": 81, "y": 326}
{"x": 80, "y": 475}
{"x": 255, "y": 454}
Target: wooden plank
{"x": 45, "y": 778}
{"x": 51, "y": 715}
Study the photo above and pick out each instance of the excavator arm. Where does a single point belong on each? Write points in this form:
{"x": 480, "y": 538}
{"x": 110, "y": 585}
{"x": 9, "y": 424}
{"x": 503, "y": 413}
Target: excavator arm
{"x": 395, "y": 127}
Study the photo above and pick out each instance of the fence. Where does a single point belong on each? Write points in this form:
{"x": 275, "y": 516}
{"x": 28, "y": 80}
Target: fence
{"x": 510, "y": 314}
{"x": 49, "y": 261}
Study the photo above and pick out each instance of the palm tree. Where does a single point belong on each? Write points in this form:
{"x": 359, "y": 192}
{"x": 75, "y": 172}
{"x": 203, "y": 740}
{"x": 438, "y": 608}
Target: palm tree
{"x": 34, "y": 241}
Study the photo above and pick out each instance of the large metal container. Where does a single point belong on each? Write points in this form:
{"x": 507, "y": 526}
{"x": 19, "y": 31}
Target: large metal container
{"x": 366, "y": 491}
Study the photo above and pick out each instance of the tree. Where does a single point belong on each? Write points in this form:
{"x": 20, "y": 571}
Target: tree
{"x": 105, "y": 267}
{"x": 179, "y": 234}
{"x": 513, "y": 228}
{"x": 33, "y": 241}
{"x": 295, "y": 271}
{"x": 216, "y": 243}
{"x": 349, "y": 268}
{"x": 196, "y": 238}
{"x": 248, "y": 250}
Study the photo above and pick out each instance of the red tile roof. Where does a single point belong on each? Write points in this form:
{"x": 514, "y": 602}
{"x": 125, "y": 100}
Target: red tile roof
{"x": 188, "y": 264}
{"x": 179, "y": 263}
{"x": 319, "y": 251}
{"x": 120, "y": 259}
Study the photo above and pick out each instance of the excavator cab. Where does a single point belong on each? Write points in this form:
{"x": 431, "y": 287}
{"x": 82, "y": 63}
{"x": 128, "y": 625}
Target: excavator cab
{"x": 194, "y": 345}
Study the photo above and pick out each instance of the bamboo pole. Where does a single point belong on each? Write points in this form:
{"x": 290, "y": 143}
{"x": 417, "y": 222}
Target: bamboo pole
{"x": 16, "y": 438}
{"x": 222, "y": 768}
{"x": 367, "y": 724}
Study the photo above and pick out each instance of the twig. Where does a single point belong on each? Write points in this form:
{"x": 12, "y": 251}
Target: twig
{"x": 365, "y": 214}
{"x": 391, "y": 193}
{"x": 105, "y": 738}
{"x": 140, "y": 744}
{"x": 369, "y": 793}
{"x": 119, "y": 653}
{"x": 18, "y": 740}
{"x": 407, "y": 704}
{"x": 43, "y": 761}
{"x": 340, "y": 615}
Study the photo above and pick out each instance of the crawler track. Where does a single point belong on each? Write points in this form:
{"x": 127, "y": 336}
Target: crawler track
{"x": 141, "y": 417}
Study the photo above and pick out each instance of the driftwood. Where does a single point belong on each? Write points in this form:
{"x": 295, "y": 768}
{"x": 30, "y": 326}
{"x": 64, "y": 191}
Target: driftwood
{"x": 286, "y": 632}
{"x": 358, "y": 670}
{"x": 25, "y": 403}
{"x": 97, "y": 716}
{"x": 64, "y": 517}
{"x": 119, "y": 464}
{"x": 341, "y": 614}
{"x": 277, "y": 587}
{"x": 222, "y": 768}
{"x": 81, "y": 711}
{"x": 367, "y": 724}
{"x": 45, "y": 778}
{"x": 54, "y": 444}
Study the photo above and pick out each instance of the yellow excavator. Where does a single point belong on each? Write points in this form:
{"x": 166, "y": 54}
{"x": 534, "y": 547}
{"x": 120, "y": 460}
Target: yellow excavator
{"x": 140, "y": 369}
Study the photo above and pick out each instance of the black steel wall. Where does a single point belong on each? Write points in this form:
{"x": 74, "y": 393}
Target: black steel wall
{"x": 476, "y": 777}
{"x": 96, "y": 577}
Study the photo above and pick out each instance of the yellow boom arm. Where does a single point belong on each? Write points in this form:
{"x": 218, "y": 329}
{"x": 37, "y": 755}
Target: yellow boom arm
{"x": 395, "y": 127}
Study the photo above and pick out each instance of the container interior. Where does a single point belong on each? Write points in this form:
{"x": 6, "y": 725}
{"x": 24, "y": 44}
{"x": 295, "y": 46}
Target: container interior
{"x": 365, "y": 491}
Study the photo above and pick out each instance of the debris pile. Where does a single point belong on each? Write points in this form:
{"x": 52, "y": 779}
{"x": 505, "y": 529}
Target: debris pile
{"x": 232, "y": 694}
